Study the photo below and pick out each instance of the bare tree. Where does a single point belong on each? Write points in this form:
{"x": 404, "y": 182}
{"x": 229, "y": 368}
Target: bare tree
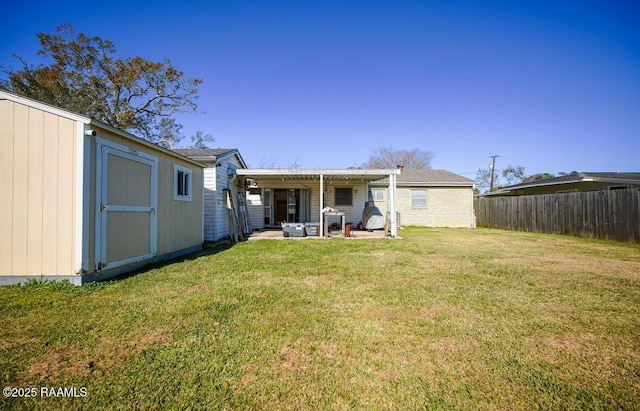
{"x": 389, "y": 157}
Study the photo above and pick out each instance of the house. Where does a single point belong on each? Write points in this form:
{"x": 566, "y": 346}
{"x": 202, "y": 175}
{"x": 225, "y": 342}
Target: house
{"x": 301, "y": 195}
{"x": 84, "y": 201}
{"x": 571, "y": 183}
{"x": 432, "y": 198}
{"x": 219, "y": 175}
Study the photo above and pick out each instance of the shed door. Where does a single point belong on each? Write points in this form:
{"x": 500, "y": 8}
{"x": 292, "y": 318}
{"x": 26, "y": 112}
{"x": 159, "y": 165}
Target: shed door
{"x": 126, "y": 202}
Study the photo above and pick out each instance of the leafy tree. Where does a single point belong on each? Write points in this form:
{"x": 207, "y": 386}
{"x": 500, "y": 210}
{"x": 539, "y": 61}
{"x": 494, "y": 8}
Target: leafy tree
{"x": 570, "y": 174}
{"x": 510, "y": 174}
{"x": 200, "y": 140}
{"x": 513, "y": 174}
{"x": 389, "y": 157}
{"x": 538, "y": 177}
{"x": 132, "y": 94}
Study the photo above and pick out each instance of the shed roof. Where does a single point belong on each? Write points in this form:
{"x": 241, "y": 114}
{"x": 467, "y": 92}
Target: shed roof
{"x": 427, "y": 177}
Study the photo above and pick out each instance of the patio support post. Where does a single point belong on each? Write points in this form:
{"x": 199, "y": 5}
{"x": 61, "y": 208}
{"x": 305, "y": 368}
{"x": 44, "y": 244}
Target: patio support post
{"x": 392, "y": 205}
{"x": 321, "y": 228}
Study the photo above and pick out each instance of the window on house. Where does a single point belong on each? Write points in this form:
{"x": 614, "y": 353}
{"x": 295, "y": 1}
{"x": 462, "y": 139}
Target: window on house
{"x": 182, "y": 183}
{"x": 418, "y": 198}
{"x": 377, "y": 194}
{"x": 344, "y": 196}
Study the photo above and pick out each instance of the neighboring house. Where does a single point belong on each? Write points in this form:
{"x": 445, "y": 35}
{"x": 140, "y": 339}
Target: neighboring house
{"x": 219, "y": 175}
{"x": 299, "y": 196}
{"x": 571, "y": 183}
{"x": 432, "y": 198}
{"x": 84, "y": 201}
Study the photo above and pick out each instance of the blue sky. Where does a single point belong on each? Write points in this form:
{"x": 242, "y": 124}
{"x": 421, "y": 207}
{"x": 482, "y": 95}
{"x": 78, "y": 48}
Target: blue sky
{"x": 552, "y": 86}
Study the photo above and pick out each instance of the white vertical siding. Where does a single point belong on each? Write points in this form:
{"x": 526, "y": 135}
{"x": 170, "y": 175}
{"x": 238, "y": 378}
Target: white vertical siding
{"x": 219, "y": 199}
{"x": 256, "y": 210}
{"x": 209, "y": 203}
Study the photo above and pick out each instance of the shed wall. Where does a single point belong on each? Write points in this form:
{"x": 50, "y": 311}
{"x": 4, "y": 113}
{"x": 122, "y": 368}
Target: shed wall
{"x": 179, "y": 223}
{"x": 37, "y": 161}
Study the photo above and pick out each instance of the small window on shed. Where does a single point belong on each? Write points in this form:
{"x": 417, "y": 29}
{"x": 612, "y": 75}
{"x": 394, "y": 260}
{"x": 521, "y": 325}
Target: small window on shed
{"x": 344, "y": 196}
{"x": 182, "y": 183}
{"x": 418, "y": 198}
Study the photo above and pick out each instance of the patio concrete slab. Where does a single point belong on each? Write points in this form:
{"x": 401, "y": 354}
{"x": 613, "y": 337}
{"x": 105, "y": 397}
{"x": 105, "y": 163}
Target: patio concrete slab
{"x": 355, "y": 235}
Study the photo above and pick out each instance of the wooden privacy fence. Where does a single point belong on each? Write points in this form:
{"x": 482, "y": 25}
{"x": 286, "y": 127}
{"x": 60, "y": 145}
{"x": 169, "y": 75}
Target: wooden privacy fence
{"x": 611, "y": 215}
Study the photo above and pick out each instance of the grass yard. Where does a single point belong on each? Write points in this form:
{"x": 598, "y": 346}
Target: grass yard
{"x": 443, "y": 319}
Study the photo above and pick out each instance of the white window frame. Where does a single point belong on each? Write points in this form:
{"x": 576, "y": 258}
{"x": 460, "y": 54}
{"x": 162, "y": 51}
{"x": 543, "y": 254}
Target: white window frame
{"x": 413, "y": 199}
{"x": 188, "y": 173}
{"x": 378, "y": 190}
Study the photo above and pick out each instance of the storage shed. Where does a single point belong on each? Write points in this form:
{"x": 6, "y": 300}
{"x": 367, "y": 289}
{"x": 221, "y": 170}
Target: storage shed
{"x": 84, "y": 201}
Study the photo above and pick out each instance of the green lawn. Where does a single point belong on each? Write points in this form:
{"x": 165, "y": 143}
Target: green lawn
{"x": 442, "y": 319}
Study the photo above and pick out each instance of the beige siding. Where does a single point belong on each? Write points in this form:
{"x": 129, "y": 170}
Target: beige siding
{"x": 179, "y": 222}
{"x": 38, "y": 213}
{"x": 6, "y": 175}
{"x": 36, "y": 218}
{"x": 446, "y": 207}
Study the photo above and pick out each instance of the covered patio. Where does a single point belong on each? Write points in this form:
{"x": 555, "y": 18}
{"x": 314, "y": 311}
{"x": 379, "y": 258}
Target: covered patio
{"x": 314, "y": 195}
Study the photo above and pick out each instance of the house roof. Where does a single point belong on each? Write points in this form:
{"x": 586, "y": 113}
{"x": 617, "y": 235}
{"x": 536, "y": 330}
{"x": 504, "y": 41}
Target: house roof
{"x": 209, "y": 155}
{"x": 425, "y": 177}
{"x": 599, "y": 177}
{"x": 279, "y": 174}
{"x": 87, "y": 121}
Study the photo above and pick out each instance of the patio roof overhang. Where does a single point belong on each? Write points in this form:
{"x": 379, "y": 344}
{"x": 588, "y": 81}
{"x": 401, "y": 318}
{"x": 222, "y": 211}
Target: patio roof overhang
{"x": 281, "y": 174}
{"x": 328, "y": 175}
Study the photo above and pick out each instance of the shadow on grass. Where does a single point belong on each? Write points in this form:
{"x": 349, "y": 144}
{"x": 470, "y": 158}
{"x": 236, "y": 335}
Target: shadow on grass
{"x": 208, "y": 248}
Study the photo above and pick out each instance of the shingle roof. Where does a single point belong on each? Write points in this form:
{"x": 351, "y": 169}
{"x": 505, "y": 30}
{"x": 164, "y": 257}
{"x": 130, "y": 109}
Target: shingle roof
{"x": 586, "y": 176}
{"x": 428, "y": 177}
{"x": 203, "y": 152}
{"x": 612, "y": 178}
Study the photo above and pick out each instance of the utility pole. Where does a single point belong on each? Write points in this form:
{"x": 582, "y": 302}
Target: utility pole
{"x": 493, "y": 170}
